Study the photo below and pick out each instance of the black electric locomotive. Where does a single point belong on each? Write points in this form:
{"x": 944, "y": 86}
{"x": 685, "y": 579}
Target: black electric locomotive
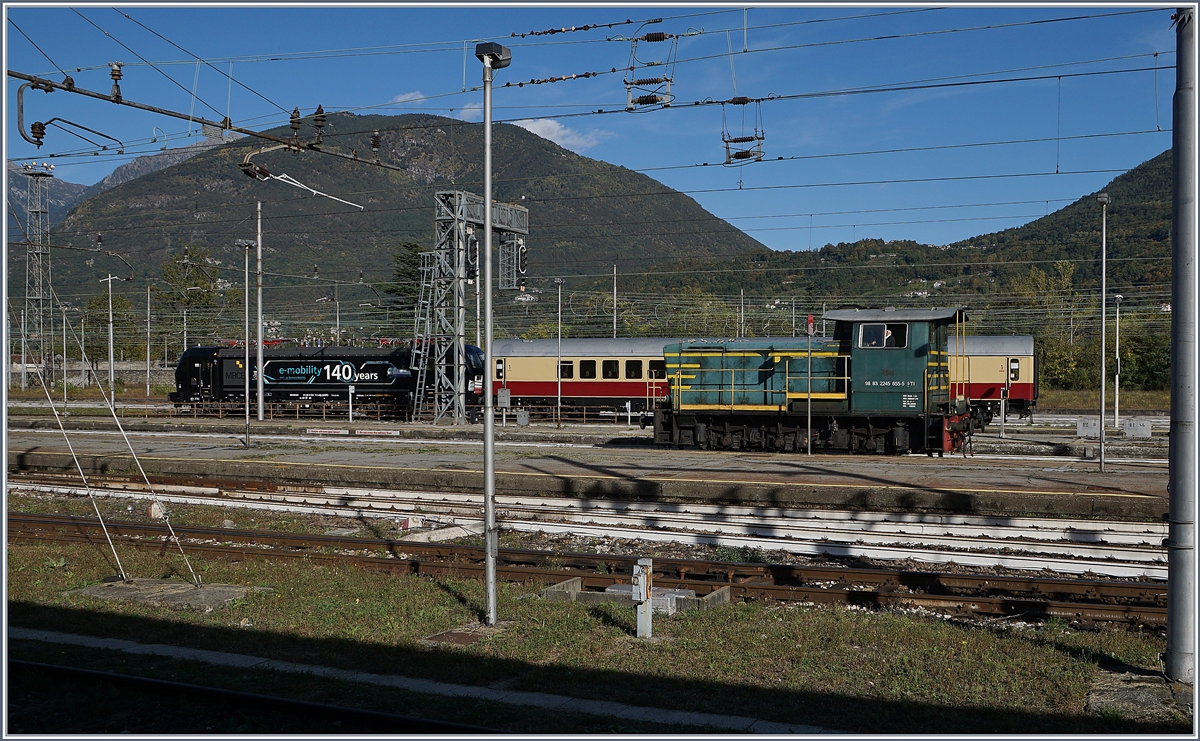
{"x": 305, "y": 375}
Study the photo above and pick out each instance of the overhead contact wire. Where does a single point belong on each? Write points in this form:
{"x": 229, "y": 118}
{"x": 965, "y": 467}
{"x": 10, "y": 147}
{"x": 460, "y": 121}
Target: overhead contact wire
{"x": 198, "y": 59}
{"x": 191, "y": 93}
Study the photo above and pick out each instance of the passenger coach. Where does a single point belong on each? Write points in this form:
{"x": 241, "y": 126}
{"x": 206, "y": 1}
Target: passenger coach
{"x": 595, "y": 372}
{"x": 993, "y": 367}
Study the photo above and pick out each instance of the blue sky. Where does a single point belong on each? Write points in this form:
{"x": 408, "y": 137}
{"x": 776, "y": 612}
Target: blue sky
{"x": 835, "y": 181}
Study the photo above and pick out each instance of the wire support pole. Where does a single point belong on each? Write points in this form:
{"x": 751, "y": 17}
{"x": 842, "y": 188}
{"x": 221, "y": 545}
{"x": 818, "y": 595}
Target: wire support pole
{"x": 147, "y": 344}
{"x": 1103, "y": 197}
{"x": 558, "y": 361}
{"x": 246, "y": 334}
{"x": 112, "y": 374}
{"x": 1179, "y": 663}
{"x": 259, "y": 279}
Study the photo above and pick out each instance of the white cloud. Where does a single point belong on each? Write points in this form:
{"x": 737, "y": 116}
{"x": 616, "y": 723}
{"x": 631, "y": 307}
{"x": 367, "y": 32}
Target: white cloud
{"x": 405, "y": 97}
{"x": 563, "y": 136}
{"x": 469, "y": 112}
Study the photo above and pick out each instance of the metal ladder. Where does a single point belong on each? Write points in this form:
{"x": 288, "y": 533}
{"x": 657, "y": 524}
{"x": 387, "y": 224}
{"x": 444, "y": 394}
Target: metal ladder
{"x": 422, "y": 328}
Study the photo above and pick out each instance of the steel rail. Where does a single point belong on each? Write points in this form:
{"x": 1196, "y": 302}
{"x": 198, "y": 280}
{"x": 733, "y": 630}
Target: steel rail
{"x": 1032, "y": 528}
{"x": 407, "y": 557}
{"x": 1064, "y": 556}
{"x": 968, "y": 606}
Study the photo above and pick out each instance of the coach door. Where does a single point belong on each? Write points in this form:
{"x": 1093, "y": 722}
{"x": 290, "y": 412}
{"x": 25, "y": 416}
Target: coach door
{"x": 656, "y": 382}
{"x": 204, "y": 372}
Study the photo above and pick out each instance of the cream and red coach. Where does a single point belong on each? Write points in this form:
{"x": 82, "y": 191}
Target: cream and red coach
{"x": 627, "y": 374}
{"x": 992, "y": 367}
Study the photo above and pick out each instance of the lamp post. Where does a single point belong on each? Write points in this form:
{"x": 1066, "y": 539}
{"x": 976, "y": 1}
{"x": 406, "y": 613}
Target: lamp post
{"x": 494, "y": 56}
{"x": 558, "y": 365}
{"x": 1103, "y": 199}
{"x": 1117, "y": 299}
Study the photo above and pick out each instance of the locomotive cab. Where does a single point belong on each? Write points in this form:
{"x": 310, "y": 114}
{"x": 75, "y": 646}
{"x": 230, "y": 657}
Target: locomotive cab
{"x": 194, "y": 375}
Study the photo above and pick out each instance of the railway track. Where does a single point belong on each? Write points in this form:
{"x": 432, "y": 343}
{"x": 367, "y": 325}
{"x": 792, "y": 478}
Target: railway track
{"x": 967, "y": 595}
{"x": 1103, "y": 548}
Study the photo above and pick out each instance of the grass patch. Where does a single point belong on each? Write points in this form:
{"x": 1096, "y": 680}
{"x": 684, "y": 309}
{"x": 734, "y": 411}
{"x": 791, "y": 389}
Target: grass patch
{"x": 1131, "y": 401}
{"x": 865, "y": 671}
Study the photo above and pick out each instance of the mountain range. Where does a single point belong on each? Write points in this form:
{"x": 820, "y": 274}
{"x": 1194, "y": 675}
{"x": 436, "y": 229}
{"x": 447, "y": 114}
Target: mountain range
{"x": 583, "y": 214}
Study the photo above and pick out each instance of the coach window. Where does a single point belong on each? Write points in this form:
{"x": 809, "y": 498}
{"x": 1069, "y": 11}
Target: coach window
{"x": 612, "y": 368}
{"x": 658, "y": 369}
{"x": 566, "y": 369}
{"x": 883, "y": 335}
{"x": 587, "y": 368}
{"x": 633, "y": 369}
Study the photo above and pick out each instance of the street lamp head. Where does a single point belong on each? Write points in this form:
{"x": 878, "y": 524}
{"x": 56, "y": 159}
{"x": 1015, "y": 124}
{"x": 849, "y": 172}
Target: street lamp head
{"x": 1102, "y": 198}
{"x": 499, "y": 56}
{"x": 558, "y": 281}
{"x": 1118, "y": 298}
{"x": 244, "y": 243}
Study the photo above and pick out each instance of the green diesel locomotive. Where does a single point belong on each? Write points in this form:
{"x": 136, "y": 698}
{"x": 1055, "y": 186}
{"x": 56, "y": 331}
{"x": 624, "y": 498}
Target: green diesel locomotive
{"x": 881, "y": 384}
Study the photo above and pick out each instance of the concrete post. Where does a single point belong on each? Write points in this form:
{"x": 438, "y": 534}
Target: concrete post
{"x": 147, "y": 342}
{"x": 643, "y": 589}
{"x": 112, "y": 371}
{"x": 1181, "y": 574}
{"x": 259, "y": 355}
{"x": 245, "y": 244}
{"x": 614, "y": 301}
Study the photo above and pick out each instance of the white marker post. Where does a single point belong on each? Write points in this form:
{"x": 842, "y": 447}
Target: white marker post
{"x": 643, "y": 575}
{"x": 351, "y": 398}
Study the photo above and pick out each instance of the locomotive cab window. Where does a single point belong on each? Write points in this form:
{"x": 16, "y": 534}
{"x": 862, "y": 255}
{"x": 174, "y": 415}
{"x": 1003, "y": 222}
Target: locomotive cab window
{"x": 587, "y": 368}
{"x": 633, "y": 369}
{"x": 658, "y": 369}
{"x": 883, "y": 335}
{"x": 612, "y": 368}
{"x": 566, "y": 369}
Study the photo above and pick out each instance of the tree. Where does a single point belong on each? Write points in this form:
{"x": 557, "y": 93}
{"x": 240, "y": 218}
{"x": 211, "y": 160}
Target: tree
{"x": 213, "y": 307}
{"x": 128, "y": 339}
{"x": 1065, "y": 359}
{"x": 406, "y": 274}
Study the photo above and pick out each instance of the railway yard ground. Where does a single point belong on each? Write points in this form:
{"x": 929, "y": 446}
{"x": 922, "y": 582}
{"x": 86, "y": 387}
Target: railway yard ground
{"x": 1017, "y": 590}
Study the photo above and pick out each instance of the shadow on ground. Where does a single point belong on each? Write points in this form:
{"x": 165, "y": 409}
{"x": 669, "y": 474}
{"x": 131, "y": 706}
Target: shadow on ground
{"x": 859, "y": 713}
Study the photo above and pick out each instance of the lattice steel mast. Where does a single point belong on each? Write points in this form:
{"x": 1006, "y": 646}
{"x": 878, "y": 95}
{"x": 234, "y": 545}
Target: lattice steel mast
{"x": 439, "y": 334}
{"x": 37, "y": 258}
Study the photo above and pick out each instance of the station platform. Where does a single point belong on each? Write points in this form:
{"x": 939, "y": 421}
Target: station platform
{"x": 619, "y": 464}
